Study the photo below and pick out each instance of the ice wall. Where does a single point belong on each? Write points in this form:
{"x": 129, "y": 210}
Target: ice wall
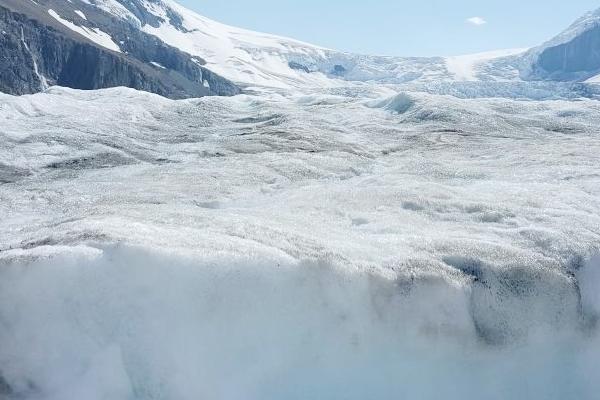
{"x": 130, "y": 323}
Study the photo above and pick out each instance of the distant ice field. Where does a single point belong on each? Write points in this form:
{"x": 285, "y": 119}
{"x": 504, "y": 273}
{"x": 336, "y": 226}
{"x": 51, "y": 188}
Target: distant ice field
{"x": 362, "y": 241}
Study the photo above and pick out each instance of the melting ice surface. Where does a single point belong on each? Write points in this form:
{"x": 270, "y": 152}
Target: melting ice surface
{"x": 362, "y": 243}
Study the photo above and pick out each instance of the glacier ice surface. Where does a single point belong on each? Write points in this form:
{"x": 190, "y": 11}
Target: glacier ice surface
{"x": 353, "y": 242}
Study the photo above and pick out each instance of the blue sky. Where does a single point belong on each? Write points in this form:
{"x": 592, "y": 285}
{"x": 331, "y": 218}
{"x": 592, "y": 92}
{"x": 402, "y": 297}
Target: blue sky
{"x": 396, "y": 27}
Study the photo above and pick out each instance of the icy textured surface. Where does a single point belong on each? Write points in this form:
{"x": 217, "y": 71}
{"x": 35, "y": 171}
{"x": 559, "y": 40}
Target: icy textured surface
{"x": 465, "y": 68}
{"x": 358, "y": 243}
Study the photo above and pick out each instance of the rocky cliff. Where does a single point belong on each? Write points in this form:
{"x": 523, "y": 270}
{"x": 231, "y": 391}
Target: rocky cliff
{"x": 37, "y": 50}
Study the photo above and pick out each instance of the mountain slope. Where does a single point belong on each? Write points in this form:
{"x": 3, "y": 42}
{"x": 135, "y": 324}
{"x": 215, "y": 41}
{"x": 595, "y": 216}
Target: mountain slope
{"x": 162, "y": 47}
{"x": 79, "y": 45}
{"x": 254, "y": 58}
{"x": 258, "y": 59}
{"x": 573, "y": 55}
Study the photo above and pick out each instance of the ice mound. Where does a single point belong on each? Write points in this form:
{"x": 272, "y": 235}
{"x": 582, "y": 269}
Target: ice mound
{"x": 399, "y": 103}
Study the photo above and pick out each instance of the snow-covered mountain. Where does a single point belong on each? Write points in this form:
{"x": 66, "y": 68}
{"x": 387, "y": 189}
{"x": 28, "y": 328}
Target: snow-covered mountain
{"x": 254, "y": 58}
{"x": 260, "y": 59}
{"x": 573, "y": 55}
{"x": 80, "y": 45}
{"x": 167, "y": 39}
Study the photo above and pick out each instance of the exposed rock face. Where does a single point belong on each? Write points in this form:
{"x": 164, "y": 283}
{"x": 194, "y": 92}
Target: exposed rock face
{"x": 36, "y": 50}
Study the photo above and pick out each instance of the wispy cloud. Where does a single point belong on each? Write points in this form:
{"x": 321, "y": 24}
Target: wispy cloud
{"x": 477, "y": 21}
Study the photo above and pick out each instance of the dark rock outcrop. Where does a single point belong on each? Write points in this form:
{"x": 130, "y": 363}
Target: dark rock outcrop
{"x": 36, "y": 51}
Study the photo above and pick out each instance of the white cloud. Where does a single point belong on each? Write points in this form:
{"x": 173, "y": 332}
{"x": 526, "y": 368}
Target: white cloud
{"x": 477, "y": 21}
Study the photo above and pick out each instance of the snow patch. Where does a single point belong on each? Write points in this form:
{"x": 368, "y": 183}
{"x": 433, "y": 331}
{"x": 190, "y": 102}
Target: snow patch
{"x": 594, "y": 79}
{"x": 240, "y": 55}
{"x": 158, "y": 65}
{"x": 115, "y": 8}
{"x": 464, "y": 68}
{"x": 94, "y": 34}
{"x": 81, "y": 14}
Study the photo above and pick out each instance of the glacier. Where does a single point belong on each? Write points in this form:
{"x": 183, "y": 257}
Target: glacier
{"x": 348, "y": 227}
{"x": 357, "y": 242}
